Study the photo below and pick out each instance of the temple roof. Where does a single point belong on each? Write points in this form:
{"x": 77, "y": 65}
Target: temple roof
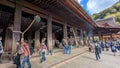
{"x": 106, "y": 26}
{"x": 107, "y": 23}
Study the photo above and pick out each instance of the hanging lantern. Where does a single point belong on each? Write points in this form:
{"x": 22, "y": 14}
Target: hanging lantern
{"x": 37, "y": 18}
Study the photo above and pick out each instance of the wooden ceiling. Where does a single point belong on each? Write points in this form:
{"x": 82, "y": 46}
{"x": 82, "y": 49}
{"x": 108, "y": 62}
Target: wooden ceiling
{"x": 6, "y": 16}
{"x": 55, "y": 6}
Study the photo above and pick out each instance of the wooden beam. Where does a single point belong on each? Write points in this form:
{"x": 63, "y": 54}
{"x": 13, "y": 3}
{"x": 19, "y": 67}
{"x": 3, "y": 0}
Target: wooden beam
{"x": 67, "y": 4}
{"x": 39, "y": 10}
{"x": 32, "y": 9}
{"x": 82, "y": 12}
{"x": 34, "y": 12}
{"x": 7, "y": 3}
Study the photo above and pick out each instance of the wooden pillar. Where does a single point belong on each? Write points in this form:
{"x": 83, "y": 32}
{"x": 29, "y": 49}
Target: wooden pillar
{"x": 76, "y": 33}
{"x": 82, "y": 38}
{"x": 65, "y": 31}
{"x": 93, "y": 38}
{"x": 76, "y": 37}
{"x": 17, "y": 26}
{"x": 100, "y": 37}
{"x": 37, "y": 39}
{"x": 49, "y": 33}
{"x": 8, "y": 40}
{"x": 53, "y": 40}
{"x": 110, "y": 36}
{"x": 90, "y": 34}
{"x": 88, "y": 38}
{"x": 29, "y": 37}
{"x": 85, "y": 38}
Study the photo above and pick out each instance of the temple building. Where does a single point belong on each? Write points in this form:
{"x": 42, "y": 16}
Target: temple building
{"x": 107, "y": 29}
{"x": 57, "y": 19}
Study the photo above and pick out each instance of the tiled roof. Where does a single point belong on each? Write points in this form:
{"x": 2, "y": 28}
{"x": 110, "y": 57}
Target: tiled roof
{"x": 107, "y": 23}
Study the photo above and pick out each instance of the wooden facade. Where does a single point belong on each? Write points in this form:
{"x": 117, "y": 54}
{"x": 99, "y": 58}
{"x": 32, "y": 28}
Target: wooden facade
{"x": 57, "y": 17}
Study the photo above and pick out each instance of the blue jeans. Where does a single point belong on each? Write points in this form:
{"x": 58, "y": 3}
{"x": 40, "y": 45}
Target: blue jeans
{"x": 70, "y": 49}
{"x": 26, "y": 59}
{"x": 97, "y": 55}
{"x": 17, "y": 59}
{"x": 43, "y": 57}
{"x": 65, "y": 49}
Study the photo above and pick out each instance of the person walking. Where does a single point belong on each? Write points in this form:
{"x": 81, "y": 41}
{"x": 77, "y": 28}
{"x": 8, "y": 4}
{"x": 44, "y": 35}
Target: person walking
{"x": 1, "y": 50}
{"x": 64, "y": 46}
{"x": 100, "y": 46}
{"x": 97, "y": 52}
{"x": 114, "y": 49}
{"x": 32, "y": 48}
{"x": 18, "y": 53}
{"x": 26, "y": 52}
{"x": 43, "y": 52}
{"x": 107, "y": 46}
{"x": 71, "y": 41}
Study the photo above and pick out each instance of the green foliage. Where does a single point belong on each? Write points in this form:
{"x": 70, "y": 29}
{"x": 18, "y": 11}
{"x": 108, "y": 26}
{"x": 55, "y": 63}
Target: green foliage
{"x": 113, "y": 11}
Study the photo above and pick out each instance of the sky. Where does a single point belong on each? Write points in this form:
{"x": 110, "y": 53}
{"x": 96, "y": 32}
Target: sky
{"x": 95, "y": 6}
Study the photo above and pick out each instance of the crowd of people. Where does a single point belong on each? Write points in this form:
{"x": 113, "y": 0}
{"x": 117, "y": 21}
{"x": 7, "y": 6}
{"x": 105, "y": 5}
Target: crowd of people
{"x": 26, "y": 50}
{"x": 98, "y": 46}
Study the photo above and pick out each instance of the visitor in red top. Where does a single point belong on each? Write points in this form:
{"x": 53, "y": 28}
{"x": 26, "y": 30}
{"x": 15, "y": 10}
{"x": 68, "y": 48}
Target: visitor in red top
{"x": 26, "y": 52}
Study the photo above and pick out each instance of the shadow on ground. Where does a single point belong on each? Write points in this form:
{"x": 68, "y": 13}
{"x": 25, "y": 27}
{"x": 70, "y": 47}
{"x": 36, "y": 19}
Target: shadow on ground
{"x": 86, "y": 57}
{"x": 108, "y": 54}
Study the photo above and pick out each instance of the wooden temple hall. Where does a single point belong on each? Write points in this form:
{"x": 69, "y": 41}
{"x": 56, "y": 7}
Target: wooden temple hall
{"x": 57, "y": 19}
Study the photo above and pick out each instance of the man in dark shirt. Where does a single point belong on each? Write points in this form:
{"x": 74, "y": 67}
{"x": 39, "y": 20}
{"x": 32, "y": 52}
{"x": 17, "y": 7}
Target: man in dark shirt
{"x": 97, "y": 52}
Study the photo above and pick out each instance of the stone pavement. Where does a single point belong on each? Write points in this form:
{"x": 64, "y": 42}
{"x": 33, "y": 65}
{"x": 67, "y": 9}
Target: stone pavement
{"x": 80, "y": 58}
{"x": 87, "y": 60}
{"x": 51, "y": 60}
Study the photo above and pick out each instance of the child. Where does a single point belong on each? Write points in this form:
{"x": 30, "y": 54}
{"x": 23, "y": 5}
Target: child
{"x": 43, "y": 52}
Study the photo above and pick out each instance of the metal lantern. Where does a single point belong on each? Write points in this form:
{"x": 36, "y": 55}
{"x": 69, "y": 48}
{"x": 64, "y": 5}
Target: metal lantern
{"x": 37, "y": 18}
